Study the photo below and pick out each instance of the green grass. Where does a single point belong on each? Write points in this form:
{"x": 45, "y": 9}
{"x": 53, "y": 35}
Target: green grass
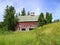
{"x": 46, "y": 35}
{"x": 17, "y": 38}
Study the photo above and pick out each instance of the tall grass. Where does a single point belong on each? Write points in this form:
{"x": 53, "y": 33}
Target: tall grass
{"x": 46, "y": 35}
{"x": 17, "y": 38}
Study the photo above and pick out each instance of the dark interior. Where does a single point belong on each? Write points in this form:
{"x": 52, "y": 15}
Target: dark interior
{"x": 23, "y": 29}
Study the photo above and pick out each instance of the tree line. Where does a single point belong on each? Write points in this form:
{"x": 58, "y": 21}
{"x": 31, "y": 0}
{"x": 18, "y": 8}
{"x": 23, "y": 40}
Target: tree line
{"x": 23, "y": 13}
{"x": 44, "y": 19}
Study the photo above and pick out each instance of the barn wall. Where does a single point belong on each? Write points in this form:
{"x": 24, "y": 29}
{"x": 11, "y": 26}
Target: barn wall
{"x": 26, "y": 25}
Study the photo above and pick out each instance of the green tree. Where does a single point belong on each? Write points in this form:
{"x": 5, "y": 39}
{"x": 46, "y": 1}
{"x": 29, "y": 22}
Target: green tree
{"x": 41, "y": 20}
{"x": 57, "y": 20}
{"x": 9, "y": 18}
{"x": 48, "y": 17}
{"x": 1, "y": 25}
{"x": 28, "y": 13}
{"x": 23, "y": 12}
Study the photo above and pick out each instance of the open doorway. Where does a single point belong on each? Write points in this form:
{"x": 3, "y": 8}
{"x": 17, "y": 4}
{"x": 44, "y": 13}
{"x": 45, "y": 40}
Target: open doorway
{"x": 23, "y": 29}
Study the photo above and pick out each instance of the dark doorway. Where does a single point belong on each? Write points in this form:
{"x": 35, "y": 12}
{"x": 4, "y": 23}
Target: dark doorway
{"x": 23, "y": 29}
{"x": 30, "y": 28}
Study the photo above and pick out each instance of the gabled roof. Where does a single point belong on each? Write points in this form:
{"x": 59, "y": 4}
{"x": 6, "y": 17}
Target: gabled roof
{"x": 27, "y": 18}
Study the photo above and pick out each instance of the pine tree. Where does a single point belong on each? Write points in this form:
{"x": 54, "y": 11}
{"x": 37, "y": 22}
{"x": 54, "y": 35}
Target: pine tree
{"x": 1, "y": 25}
{"x": 41, "y": 20}
{"x": 47, "y": 18}
{"x": 9, "y": 18}
{"x": 6, "y": 17}
{"x": 28, "y": 13}
{"x": 23, "y": 12}
{"x": 50, "y": 17}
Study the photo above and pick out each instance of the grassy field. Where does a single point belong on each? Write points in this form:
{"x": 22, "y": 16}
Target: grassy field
{"x": 46, "y": 35}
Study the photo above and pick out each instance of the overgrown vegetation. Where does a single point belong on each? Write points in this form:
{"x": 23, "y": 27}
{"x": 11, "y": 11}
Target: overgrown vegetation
{"x": 46, "y": 35}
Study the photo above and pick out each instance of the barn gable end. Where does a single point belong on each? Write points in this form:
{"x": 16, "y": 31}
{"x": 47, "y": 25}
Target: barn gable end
{"x": 26, "y": 23}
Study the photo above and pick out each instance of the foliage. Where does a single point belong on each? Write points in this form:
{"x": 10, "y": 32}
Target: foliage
{"x": 57, "y": 20}
{"x": 51, "y": 18}
{"x": 46, "y": 35}
{"x": 23, "y": 12}
{"x": 48, "y": 17}
{"x": 28, "y": 13}
{"x": 1, "y": 24}
{"x": 49, "y": 34}
{"x": 41, "y": 19}
{"x": 9, "y": 18}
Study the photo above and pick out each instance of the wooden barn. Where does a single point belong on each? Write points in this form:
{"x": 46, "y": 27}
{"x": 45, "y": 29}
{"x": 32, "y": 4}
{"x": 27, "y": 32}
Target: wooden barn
{"x": 26, "y": 22}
